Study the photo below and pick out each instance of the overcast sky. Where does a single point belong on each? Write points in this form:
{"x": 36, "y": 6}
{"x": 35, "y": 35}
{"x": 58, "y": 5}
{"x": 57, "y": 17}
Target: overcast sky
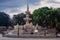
{"x": 12, "y": 7}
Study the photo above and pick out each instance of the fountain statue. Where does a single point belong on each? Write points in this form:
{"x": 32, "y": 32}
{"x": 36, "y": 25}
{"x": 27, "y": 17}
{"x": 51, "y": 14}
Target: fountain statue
{"x": 28, "y": 26}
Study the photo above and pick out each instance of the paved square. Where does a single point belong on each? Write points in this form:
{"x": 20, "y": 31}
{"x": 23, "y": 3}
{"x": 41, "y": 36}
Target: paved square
{"x": 5, "y": 38}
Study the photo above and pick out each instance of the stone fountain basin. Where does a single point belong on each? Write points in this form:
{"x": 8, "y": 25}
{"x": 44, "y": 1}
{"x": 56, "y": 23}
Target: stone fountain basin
{"x": 28, "y": 36}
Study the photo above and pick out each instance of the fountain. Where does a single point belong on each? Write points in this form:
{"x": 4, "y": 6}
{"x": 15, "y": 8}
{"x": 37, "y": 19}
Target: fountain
{"x": 28, "y": 29}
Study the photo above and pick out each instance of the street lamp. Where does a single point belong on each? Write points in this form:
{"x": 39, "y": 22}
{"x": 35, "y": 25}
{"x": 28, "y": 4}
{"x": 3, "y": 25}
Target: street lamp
{"x": 18, "y": 30}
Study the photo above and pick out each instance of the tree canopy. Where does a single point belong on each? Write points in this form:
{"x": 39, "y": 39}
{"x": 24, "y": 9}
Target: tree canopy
{"x": 19, "y": 19}
{"x": 47, "y": 17}
{"x": 5, "y": 20}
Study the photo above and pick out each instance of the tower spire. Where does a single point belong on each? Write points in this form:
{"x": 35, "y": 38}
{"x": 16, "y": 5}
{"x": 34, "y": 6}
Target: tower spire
{"x": 27, "y": 11}
{"x": 27, "y": 6}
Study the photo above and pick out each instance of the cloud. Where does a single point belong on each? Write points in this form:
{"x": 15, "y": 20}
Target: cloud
{"x": 11, "y": 4}
{"x": 54, "y": 1}
{"x": 4, "y": 4}
{"x": 2, "y": 1}
{"x": 57, "y": 0}
{"x": 14, "y": 7}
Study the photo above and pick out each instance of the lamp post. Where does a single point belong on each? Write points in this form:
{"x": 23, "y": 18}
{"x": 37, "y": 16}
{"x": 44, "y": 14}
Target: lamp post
{"x": 17, "y": 26}
{"x": 18, "y": 30}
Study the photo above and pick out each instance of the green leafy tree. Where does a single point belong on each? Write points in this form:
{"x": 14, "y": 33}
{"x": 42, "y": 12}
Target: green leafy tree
{"x": 4, "y": 19}
{"x": 47, "y": 17}
{"x": 19, "y": 19}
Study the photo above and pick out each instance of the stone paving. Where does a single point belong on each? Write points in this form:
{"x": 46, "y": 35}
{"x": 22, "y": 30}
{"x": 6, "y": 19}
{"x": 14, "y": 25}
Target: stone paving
{"x": 5, "y": 38}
